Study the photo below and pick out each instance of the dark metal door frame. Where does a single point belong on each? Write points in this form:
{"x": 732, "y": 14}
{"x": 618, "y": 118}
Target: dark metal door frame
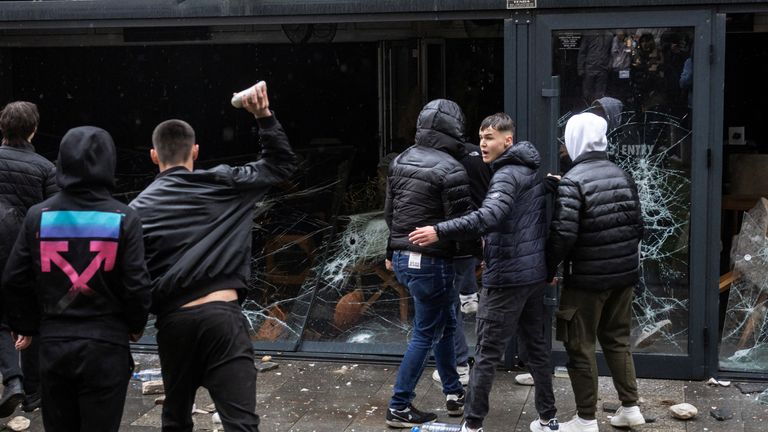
{"x": 528, "y": 71}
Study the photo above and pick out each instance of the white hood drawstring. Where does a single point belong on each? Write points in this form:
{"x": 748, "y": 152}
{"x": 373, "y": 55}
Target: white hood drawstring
{"x": 584, "y": 133}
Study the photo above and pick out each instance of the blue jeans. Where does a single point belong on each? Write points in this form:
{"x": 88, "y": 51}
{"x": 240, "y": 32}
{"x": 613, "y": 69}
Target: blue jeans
{"x": 434, "y": 323}
{"x": 466, "y": 283}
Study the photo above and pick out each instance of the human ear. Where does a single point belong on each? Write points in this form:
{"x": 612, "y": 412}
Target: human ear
{"x": 153, "y": 156}
{"x": 195, "y": 151}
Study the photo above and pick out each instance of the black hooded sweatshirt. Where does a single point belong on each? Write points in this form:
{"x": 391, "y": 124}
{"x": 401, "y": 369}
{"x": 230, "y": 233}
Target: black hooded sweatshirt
{"x": 77, "y": 269}
{"x": 426, "y": 183}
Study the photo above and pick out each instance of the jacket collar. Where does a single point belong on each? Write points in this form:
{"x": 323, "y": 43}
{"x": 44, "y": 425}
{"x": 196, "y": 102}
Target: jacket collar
{"x": 171, "y": 171}
{"x": 24, "y": 146}
{"x": 593, "y": 155}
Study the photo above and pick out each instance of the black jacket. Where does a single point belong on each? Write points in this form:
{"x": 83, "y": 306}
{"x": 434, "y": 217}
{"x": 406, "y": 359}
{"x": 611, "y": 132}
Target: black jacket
{"x": 77, "y": 269}
{"x": 597, "y": 226}
{"x": 479, "y": 174}
{"x": 197, "y": 224}
{"x": 426, "y": 183}
{"x": 512, "y": 220}
{"x": 26, "y": 178}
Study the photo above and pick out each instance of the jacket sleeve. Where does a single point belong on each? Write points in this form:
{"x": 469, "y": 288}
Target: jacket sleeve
{"x": 136, "y": 294}
{"x": 277, "y": 162}
{"x": 497, "y": 205}
{"x": 639, "y": 222}
{"x": 50, "y": 188}
{"x": 19, "y": 295}
{"x": 564, "y": 228}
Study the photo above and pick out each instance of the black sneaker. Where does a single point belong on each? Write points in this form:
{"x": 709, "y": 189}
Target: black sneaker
{"x": 31, "y": 402}
{"x": 408, "y": 417}
{"x": 454, "y": 404}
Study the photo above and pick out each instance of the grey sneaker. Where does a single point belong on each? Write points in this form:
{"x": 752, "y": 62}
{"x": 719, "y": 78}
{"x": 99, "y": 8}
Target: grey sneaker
{"x": 463, "y": 375}
{"x": 538, "y": 426}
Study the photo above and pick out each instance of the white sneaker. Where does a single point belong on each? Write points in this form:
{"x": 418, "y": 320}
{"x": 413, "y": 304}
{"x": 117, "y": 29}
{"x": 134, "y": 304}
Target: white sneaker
{"x": 525, "y": 379}
{"x": 464, "y": 428}
{"x": 537, "y": 426}
{"x": 468, "y": 303}
{"x": 627, "y": 417}
{"x": 463, "y": 375}
{"x": 578, "y": 424}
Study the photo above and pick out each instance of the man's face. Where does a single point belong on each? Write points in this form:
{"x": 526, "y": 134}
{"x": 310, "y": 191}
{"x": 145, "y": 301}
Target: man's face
{"x": 493, "y": 143}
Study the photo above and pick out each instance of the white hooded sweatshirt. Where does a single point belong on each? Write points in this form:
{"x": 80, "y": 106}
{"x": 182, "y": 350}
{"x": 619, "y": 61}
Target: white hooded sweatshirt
{"x": 584, "y": 133}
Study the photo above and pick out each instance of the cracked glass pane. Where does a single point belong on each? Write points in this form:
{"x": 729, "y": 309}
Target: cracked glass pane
{"x": 649, "y": 136}
{"x": 744, "y": 342}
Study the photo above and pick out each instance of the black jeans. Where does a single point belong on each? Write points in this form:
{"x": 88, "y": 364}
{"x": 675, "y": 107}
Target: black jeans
{"x": 9, "y": 357}
{"x": 207, "y": 345}
{"x": 83, "y": 384}
{"x": 502, "y": 314}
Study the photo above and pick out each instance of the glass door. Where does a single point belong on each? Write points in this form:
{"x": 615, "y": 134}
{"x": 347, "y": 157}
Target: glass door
{"x": 636, "y": 70}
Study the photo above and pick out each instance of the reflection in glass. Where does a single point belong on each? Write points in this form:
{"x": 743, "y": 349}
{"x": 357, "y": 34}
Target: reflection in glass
{"x": 632, "y": 77}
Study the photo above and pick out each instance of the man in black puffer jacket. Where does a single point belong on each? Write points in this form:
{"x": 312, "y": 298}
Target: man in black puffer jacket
{"x": 26, "y": 178}
{"x": 512, "y": 220}
{"x": 595, "y": 231}
{"x": 427, "y": 185}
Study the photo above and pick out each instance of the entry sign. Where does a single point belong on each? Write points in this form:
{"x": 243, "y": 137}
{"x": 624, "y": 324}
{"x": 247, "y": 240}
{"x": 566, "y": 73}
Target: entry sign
{"x": 521, "y": 4}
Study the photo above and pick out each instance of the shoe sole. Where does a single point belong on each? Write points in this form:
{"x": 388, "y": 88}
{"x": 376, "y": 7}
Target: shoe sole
{"x": 456, "y": 413}
{"x": 627, "y": 424}
{"x": 9, "y": 406}
{"x": 401, "y": 424}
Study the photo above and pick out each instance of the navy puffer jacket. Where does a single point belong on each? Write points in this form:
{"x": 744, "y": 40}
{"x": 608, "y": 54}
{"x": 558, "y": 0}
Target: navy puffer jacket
{"x": 426, "y": 183}
{"x": 512, "y": 221}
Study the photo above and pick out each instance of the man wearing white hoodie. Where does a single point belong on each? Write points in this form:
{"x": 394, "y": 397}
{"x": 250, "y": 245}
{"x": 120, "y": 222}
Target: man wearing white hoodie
{"x": 596, "y": 230}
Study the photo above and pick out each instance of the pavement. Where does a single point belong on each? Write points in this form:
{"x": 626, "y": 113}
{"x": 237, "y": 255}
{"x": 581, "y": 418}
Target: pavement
{"x": 333, "y": 396}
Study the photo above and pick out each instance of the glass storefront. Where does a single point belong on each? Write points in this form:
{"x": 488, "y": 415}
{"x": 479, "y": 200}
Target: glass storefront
{"x": 640, "y": 80}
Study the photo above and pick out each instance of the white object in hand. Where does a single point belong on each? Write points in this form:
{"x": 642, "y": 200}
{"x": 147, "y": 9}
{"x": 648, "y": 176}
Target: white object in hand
{"x": 237, "y": 99}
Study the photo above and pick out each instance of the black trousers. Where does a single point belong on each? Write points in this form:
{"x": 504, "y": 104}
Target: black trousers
{"x": 207, "y": 345}
{"x": 83, "y": 384}
{"x": 9, "y": 357}
{"x": 502, "y": 314}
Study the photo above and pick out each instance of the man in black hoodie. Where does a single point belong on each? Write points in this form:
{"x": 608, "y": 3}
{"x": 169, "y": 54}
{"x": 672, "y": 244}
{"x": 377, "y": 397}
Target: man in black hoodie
{"x": 197, "y": 232}
{"x": 77, "y": 277}
{"x": 426, "y": 185}
{"x": 512, "y": 221}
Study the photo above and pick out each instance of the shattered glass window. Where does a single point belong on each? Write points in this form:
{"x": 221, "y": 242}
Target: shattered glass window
{"x": 639, "y": 80}
{"x": 744, "y": 341}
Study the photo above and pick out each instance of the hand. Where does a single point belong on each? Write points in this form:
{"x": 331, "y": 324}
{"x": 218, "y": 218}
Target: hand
{"x": 23, "y": 342}
{"x": 257, "y": 101}
{"x": 423, "y": 236}
{"x": 388, "y": 265}
{"x": 134, "y": 337}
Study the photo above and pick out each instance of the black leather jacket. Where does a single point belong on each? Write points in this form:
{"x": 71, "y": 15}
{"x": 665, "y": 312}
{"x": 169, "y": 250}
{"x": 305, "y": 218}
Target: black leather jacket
{"x": 197, "y": 224}
{"x": 512, "y": 220}
{"x": 426, "y": 183}
{"x": 597, "y": 226}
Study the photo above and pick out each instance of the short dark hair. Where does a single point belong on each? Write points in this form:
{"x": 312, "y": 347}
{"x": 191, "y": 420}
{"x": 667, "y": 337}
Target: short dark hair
{"x": 173, "y": 141}
{"x": 18, "y": 120}
{"x": 500, "y": 122}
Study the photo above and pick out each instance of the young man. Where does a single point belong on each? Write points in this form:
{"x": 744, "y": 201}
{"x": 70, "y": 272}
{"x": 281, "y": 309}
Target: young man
{"x": 596, "y": 229}
{"x": 512, "y": 221}
{"x": 77, "y": 277}
{"x": 197, "y": 232}
{"x": 26, "y": 178}
{"x": 426, "y": 184}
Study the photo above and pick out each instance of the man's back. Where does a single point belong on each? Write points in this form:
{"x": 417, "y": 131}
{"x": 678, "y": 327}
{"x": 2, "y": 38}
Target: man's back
{"x": 197, "y": 224}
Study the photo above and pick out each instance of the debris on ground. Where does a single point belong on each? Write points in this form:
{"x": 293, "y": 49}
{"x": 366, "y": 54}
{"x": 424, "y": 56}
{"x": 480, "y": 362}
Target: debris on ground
{"x": 525, "y": 379}
{"x": 152, "y": 387}
{"x": 715, "y": 382}
{"x": 160, "y": 400}
{"x": 721, "y": 414}
{"x": 18, "y": 423}
{"x": 266, "y": 366}
{"x": 610, "y": 407}
{"x": 684, "y": 411}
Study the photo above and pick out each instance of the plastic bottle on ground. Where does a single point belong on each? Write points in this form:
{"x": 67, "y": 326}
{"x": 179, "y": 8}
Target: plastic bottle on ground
{"x": 437, "y": 427}
{"x": 148, "y": 375}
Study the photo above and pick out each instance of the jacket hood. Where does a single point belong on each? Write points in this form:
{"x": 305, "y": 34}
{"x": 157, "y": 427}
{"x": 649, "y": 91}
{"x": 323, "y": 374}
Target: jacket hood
{"x": 585, "y": 132}
{"x": 522, "y": 153}
{"x": 612, "y": 109}
{"x": 441, "y": 126}
{"x": 86, "y": 158}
